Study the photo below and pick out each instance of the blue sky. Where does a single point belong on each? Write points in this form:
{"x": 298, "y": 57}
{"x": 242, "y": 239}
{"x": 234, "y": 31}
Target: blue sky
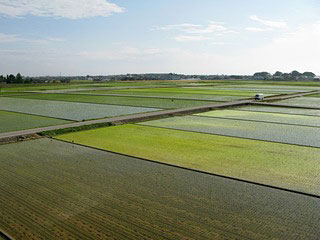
{"x": 80, "y": 37}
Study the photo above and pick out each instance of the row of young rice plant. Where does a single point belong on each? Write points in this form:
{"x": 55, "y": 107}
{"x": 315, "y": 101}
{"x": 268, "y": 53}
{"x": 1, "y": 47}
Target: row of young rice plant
{"x": 284, "y": 110}
{"x": 68, "y": 110}
{"x": 312, "y": 121}
{"x": 252, "y": 91}
{"x": 287, "y": 166}
{"x": 302, "y": 101}
{"x": 299, "y": 135}
{"x": 196, "y": 91}
{"x": 10, "y": 121}
{"x": 124, "y": 101}
{"x": 55, "y": 190}
{"x": 145, "y": 93}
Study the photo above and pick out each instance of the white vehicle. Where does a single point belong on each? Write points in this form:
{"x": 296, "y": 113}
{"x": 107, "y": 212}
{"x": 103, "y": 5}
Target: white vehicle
{"x": 259, "y": 97}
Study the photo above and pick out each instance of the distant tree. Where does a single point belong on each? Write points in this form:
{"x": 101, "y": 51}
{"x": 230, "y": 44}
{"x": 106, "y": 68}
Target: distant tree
{"x": 65, "y": 80}
{"x": 286, "y": 76}
{"x": 28, "y": 80}
{"x": 309, "y": 74}
{"x": 278, "y": 74}
{"x": 295, "y": 74}
{"x": 2, "y": 79}
{"x": 262, "y": 75}
{"x": 11, "y": 79}
{"x": 19, "y": 78}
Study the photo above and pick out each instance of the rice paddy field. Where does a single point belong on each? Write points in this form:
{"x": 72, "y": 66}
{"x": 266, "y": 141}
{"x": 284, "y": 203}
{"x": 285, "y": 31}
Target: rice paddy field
{"x": 269, "y": 163}
{"x": 274, "y": 88}
{"x": 193, "y": 93}
{"x": 284, "y": 110}
{"x": 55, "y": 190}
{"x": 303, "y": 101}
{"x": 118, "y": 100}
{"x": 11, "y": 121}
{"x": 289, "y": 119}
{"x": 67, "y": 110}
{"x": 265, "y": 131}
{"x": 246, "y": 172}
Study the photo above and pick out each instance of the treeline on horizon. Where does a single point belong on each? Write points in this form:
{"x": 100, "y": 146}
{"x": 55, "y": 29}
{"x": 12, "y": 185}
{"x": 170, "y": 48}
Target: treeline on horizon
{"x": 294, "y": 75}
{"x": 19, "y": 79}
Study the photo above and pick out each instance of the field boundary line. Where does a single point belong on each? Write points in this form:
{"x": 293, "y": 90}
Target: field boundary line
{"x": 259, "y": 121}
{"x": 195, "y": 170}
{"x": 110, "y": 104}
{"x": 66, "y": 101}
{"x": 281, "y": 97}
{"x": 284, "y": 105}
{"x": 128, "y": 118}
{"x": 5, "y": 235}
{"x": 222, "y": 135}
{"x": 136, "y": 96}
{"x": 248, "y": 110}
{"x": 37, "y": 115}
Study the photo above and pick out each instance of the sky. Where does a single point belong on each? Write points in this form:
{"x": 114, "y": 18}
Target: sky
{"x": 101, "y": 37}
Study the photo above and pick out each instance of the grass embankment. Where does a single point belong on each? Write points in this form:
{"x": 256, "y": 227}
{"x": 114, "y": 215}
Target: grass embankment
{"x": 10, "y": 121}
{"x": 55, "y": 190}
{"x": 263, "y": 116}
{"x": 280, "y": 165}
{"x": 124, "y": 101}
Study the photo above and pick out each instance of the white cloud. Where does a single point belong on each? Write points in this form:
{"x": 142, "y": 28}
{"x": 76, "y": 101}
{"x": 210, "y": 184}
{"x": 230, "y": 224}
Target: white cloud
{"x": 268, "y": 23}
{"x": 190, "y": 38}
{"x": 213, "y": 27}
{"x": 221, "y": 43}
{"x": 180, "y": 27}
{"x": 124, "y": 53}
{"x": 297, "y": 50}
{"x": 255, "y": 29}
{"x": 7, "y": 38}
{"x": 73, "y": 9}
